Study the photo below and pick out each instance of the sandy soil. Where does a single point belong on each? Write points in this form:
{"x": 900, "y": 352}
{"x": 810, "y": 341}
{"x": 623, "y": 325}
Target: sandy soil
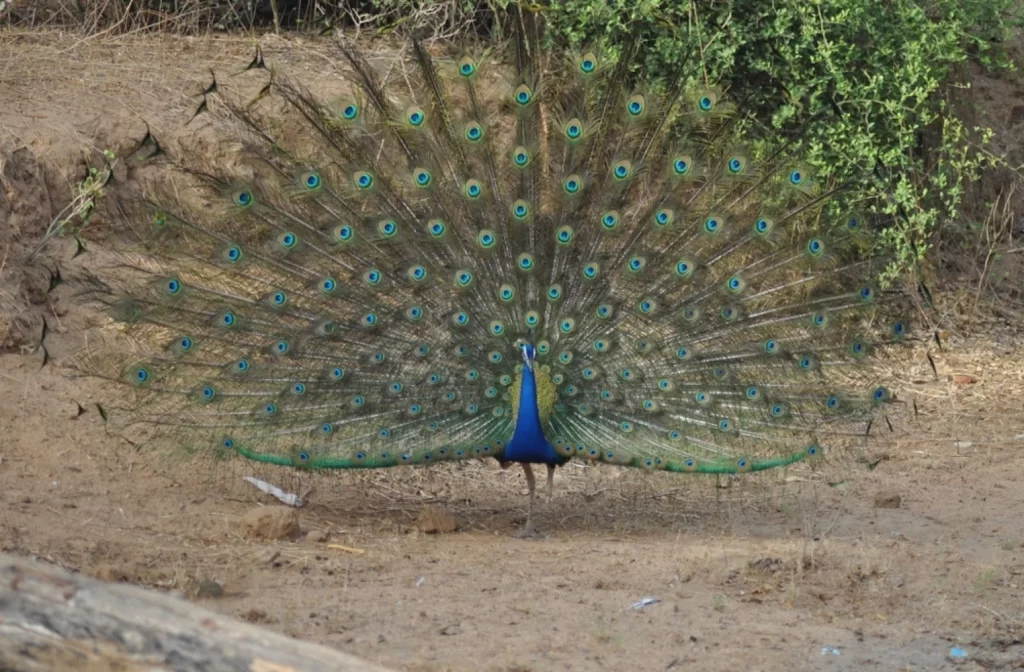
{"x": 884, "y": 560}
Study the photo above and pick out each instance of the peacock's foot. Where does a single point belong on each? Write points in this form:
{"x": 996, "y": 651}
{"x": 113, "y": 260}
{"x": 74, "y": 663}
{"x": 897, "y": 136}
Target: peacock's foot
{"x": 529, "y": 531}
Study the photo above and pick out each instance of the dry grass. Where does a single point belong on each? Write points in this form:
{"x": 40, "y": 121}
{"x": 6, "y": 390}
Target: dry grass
{"x": 431, "y": 19}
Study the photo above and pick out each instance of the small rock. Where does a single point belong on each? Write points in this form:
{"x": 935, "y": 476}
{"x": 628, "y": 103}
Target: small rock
{"x": 964, "y": 379}
{"x": 888, "y": 500}
{"x": 316, "y": 537}
{"x": 255, "y": 616}
{"x": 271, "y": 522}
{"x": 110, "y": 574}
{"x": 266, "y": 556}
{"x": 772, "y": 565}
{"x": 450, "y": 630}
{"x": 154, "y": 576}
{"x": 436, "y": 520}
{"x": 209, "y": 588}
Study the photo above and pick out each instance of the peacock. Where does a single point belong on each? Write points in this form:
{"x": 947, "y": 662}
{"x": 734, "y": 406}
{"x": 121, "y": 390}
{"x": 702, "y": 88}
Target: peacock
{"x": 536, "y": 261}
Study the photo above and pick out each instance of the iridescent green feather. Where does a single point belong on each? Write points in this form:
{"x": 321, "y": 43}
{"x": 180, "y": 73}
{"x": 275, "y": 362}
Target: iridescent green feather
{"x": 348, "y": 291}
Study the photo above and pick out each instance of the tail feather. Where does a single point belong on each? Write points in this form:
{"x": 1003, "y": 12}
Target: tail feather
{"x": 349, "y": 288}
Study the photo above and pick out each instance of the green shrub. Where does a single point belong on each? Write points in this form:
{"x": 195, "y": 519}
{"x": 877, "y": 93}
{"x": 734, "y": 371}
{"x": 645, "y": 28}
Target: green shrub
{"x": 866, "y": 86}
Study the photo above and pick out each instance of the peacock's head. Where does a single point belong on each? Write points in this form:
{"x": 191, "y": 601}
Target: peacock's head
{"x": 529, "y": 353}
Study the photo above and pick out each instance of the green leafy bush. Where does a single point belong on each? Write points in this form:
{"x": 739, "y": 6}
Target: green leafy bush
{"x": 866, "y": 86}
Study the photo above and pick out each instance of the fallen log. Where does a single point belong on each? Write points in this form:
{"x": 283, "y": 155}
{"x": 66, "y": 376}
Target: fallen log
{"x": 51, "y": 619}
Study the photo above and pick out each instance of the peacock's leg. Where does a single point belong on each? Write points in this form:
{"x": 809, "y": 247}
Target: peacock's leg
{"x": 531, "y": 484}
{"x": 529, "y": 531}
{"x": 551, "y": 482}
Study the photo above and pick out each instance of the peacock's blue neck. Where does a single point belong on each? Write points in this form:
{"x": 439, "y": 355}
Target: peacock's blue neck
{"x": 528, "y": 443}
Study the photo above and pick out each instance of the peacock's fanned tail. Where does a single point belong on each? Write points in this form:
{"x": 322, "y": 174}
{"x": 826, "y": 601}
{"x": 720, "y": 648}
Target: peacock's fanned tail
{"x": 350, "y": 289}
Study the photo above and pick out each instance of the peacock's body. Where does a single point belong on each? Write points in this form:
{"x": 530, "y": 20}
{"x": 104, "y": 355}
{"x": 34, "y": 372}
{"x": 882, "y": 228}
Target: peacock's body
{"x": 536, "y": 263}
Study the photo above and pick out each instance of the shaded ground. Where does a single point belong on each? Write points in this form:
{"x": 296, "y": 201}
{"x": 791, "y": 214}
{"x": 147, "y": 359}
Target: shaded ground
{"x": 845, "y": 568}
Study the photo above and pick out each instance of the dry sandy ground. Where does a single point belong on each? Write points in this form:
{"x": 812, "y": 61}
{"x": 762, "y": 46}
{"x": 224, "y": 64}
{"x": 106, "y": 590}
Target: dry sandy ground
{"x": 882, "y": 561}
